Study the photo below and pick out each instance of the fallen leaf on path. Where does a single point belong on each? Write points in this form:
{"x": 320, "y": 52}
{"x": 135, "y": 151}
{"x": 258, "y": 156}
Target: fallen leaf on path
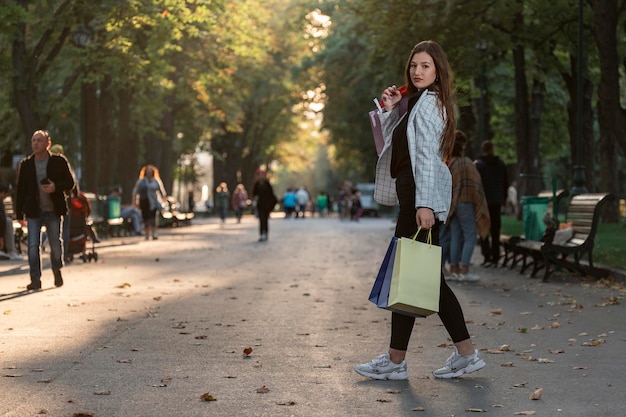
{"x": 507, "y": 364}
{"x": 555, "y": 325}
{"x": 525, "y": 413}
{"x": 393, "y": 391}
{"x": 124, "y": 360}
{"x": 247, "y": 351}
{"x": 201, "y": 337}
{"x": 537, "y": 327}
{"x": 102, "y": 393}
{"x": 520, "y": 385}
{"x": 44, "y": 381}
{"x": 263, "y": 390}
{"x": 556, "y": 351}
{"x": 476, "y": 410}
{"x": 544, "y": 360}
{"x": 157, "y": 298}
{"x": 594, "y": 342}
{"x": 124, "y": 285}
{"x": 7, "y": 312}
{"x": 82, "y": 414}
{"x": 207, "y": 397}
{"x": 495, "y": 351}
{"x": 287, "y": 403}
{"x": 382, "y": 400}
{"x": 536, "y": 394}
{"x": 418, "y": 409}
{"x": 496, "y": 312}
{"x": 522, "y": 330}
{"x": 578, "y": 368}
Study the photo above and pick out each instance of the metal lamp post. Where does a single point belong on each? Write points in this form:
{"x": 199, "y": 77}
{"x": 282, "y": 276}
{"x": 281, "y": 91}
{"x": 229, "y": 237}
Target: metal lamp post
{"x": 81, "y": 38}
{"x": 578, "y": 169}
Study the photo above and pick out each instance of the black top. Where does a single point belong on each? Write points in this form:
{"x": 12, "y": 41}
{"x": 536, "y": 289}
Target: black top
{"x": 400, "y": 158}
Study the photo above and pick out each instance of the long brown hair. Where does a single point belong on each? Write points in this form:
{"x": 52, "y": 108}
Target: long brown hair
{"x": 443, "y": 85}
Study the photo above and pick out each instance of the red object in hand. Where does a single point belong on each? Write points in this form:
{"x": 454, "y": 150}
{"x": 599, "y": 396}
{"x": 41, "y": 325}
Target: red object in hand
{"x": 403, "y": 90}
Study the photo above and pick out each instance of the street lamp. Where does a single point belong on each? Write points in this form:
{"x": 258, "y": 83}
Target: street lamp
{"x": 578, "y": 169}
{"x": 81, "y": 38}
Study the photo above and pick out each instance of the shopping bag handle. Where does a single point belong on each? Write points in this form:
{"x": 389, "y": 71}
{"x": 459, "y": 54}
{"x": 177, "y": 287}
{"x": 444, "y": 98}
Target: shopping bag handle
{"x": 429, "y": 240}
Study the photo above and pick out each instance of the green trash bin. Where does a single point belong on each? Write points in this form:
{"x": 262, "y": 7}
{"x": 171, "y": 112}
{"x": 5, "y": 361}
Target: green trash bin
{"x": 534, "y": 208}
{"x": 115, "y": 207}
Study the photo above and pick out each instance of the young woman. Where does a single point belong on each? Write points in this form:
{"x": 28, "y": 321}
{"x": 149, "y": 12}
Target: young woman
{"x": 411, "y": 170}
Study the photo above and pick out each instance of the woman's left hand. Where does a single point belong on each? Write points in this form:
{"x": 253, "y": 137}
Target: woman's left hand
{"x": 425, "y": 218}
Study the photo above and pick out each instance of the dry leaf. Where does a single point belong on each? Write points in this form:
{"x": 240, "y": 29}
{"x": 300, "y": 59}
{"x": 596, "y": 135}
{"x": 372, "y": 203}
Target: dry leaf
{"x": 537, "y": 327}
{"x": 418, "y": 409}
{"x": 393, "y": 391}
{"x": 382, "y": 400}
{"x": 536, "y": 394}
{"x": 82, "y": 414}
{"x": 556, "y": 351}
{"x": 507, "y": 364}
{"x": 44, "y": 381}
{"x": 544, "y": 360}
{"x": 7, "y": 312}
{"x": 124, "y": 285}
{"x": 525, "y": 413}
{"x": 578, "y": 368}
{"x": 496, "y": 312}
{"x": 287, "y": 403}
{"x": 247, "y": 351}
{"x": 505, "y": 348}
{"x": 476, "y": 410}
{"x": 201, "y": 337}
{"x": 520, "y": 385}
{"x": 102, "y": 393}
{"x": 207, "y": 397}
{"x": 495, "y": 351}
{"x": 263, "y": 390}
{"x": 555, "y": 325}
{"x": 124, "y": 360}
{"x": 157, "y": 298}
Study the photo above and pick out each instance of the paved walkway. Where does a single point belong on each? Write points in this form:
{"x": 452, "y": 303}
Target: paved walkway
{"x": 154, "y": 325}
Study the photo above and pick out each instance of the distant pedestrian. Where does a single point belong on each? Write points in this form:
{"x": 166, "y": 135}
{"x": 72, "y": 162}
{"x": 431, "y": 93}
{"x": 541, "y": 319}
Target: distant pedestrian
{"x": 222, "y": 199}
{"x": 495, "y": 181}
{"x": 512, "y": 203}
{"x": 303, "y": 197}
{"x": 146, "y": 197}
{"x": 322, "y": 204}
{"x": 43, "y": 183}
{"x": 469, "y": 215}
{"x": 290, "y": 202}
{"x": 264, "y": 200}
{"x": 240, "y": 201}
{"x": 415, "y": 148}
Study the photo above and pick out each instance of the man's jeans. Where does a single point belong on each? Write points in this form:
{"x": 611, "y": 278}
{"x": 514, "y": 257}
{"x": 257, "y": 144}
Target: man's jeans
{"x": 463, "y": 234}
{"x": 53, "y": 230}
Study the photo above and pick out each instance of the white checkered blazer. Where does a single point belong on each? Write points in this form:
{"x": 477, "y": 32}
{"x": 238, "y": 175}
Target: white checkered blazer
{"x": 433, "y": 181}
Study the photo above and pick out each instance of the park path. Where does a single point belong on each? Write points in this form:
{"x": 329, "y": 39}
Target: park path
{"x": 154, "y": 325}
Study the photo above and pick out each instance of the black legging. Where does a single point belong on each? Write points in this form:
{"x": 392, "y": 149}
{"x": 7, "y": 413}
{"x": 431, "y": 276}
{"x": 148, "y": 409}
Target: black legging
{"x": 263, "y": 221}
{"x": 450, "y": 310}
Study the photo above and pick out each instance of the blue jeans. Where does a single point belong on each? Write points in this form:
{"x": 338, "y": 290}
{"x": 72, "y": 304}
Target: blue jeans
{"x": 463, "y": 234}
{"x": 53, "y": 230}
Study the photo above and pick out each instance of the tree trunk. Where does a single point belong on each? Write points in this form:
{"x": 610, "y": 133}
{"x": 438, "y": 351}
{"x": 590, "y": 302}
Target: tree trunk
{"x": 128, "y": 148}
{"x": 610, "y": 113}
{"x": 521, "y": 121}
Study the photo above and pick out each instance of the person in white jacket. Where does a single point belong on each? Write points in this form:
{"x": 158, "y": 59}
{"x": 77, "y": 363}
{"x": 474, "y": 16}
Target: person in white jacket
{"x": 302, "y": 195}
{"x": 411, "y": 171}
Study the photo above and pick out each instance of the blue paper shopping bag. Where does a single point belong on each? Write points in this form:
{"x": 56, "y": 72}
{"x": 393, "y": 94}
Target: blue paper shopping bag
{"x": 380, "y": 290}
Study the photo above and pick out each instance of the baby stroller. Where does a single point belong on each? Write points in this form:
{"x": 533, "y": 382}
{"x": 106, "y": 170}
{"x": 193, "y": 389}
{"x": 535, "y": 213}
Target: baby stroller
{"x": 80, "y": 230}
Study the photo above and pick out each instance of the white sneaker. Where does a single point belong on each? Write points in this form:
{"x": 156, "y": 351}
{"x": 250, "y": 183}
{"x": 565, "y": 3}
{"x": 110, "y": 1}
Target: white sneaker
{"x": 14, "y": 256}
{"x": 381, "y": 367}
{"x": 457, "y": 365}
{"x": 469, "y": 277}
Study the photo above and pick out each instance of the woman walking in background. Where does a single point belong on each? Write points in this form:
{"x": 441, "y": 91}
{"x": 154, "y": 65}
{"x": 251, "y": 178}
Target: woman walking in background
{"x": 145, "y": 196}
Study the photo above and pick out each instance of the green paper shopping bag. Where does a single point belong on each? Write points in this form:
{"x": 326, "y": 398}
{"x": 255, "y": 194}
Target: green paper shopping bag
{"x": 416, "y": 278}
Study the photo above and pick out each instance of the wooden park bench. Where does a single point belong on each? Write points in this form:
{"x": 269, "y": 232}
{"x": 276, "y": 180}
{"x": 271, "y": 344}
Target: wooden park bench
{"x": 583, "y": 216}
{"x": 505, "y": 240}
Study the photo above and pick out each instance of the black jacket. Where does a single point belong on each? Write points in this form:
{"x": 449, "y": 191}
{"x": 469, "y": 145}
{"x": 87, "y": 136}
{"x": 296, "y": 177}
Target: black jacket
{"x": 27, "y": 193}
{"x": 494, "y": 176}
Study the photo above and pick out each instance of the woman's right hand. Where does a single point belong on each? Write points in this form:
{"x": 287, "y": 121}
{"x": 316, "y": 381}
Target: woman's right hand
{"x": 391, "y": 96}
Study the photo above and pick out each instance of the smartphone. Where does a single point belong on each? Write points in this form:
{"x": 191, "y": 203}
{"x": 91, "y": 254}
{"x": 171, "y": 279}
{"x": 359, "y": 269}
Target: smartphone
{"x": 45, "y": 181}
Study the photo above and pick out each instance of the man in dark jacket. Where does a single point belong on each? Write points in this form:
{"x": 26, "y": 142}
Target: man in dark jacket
{"x": 495, "y": 182}
{"x": 43, "y": 182}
